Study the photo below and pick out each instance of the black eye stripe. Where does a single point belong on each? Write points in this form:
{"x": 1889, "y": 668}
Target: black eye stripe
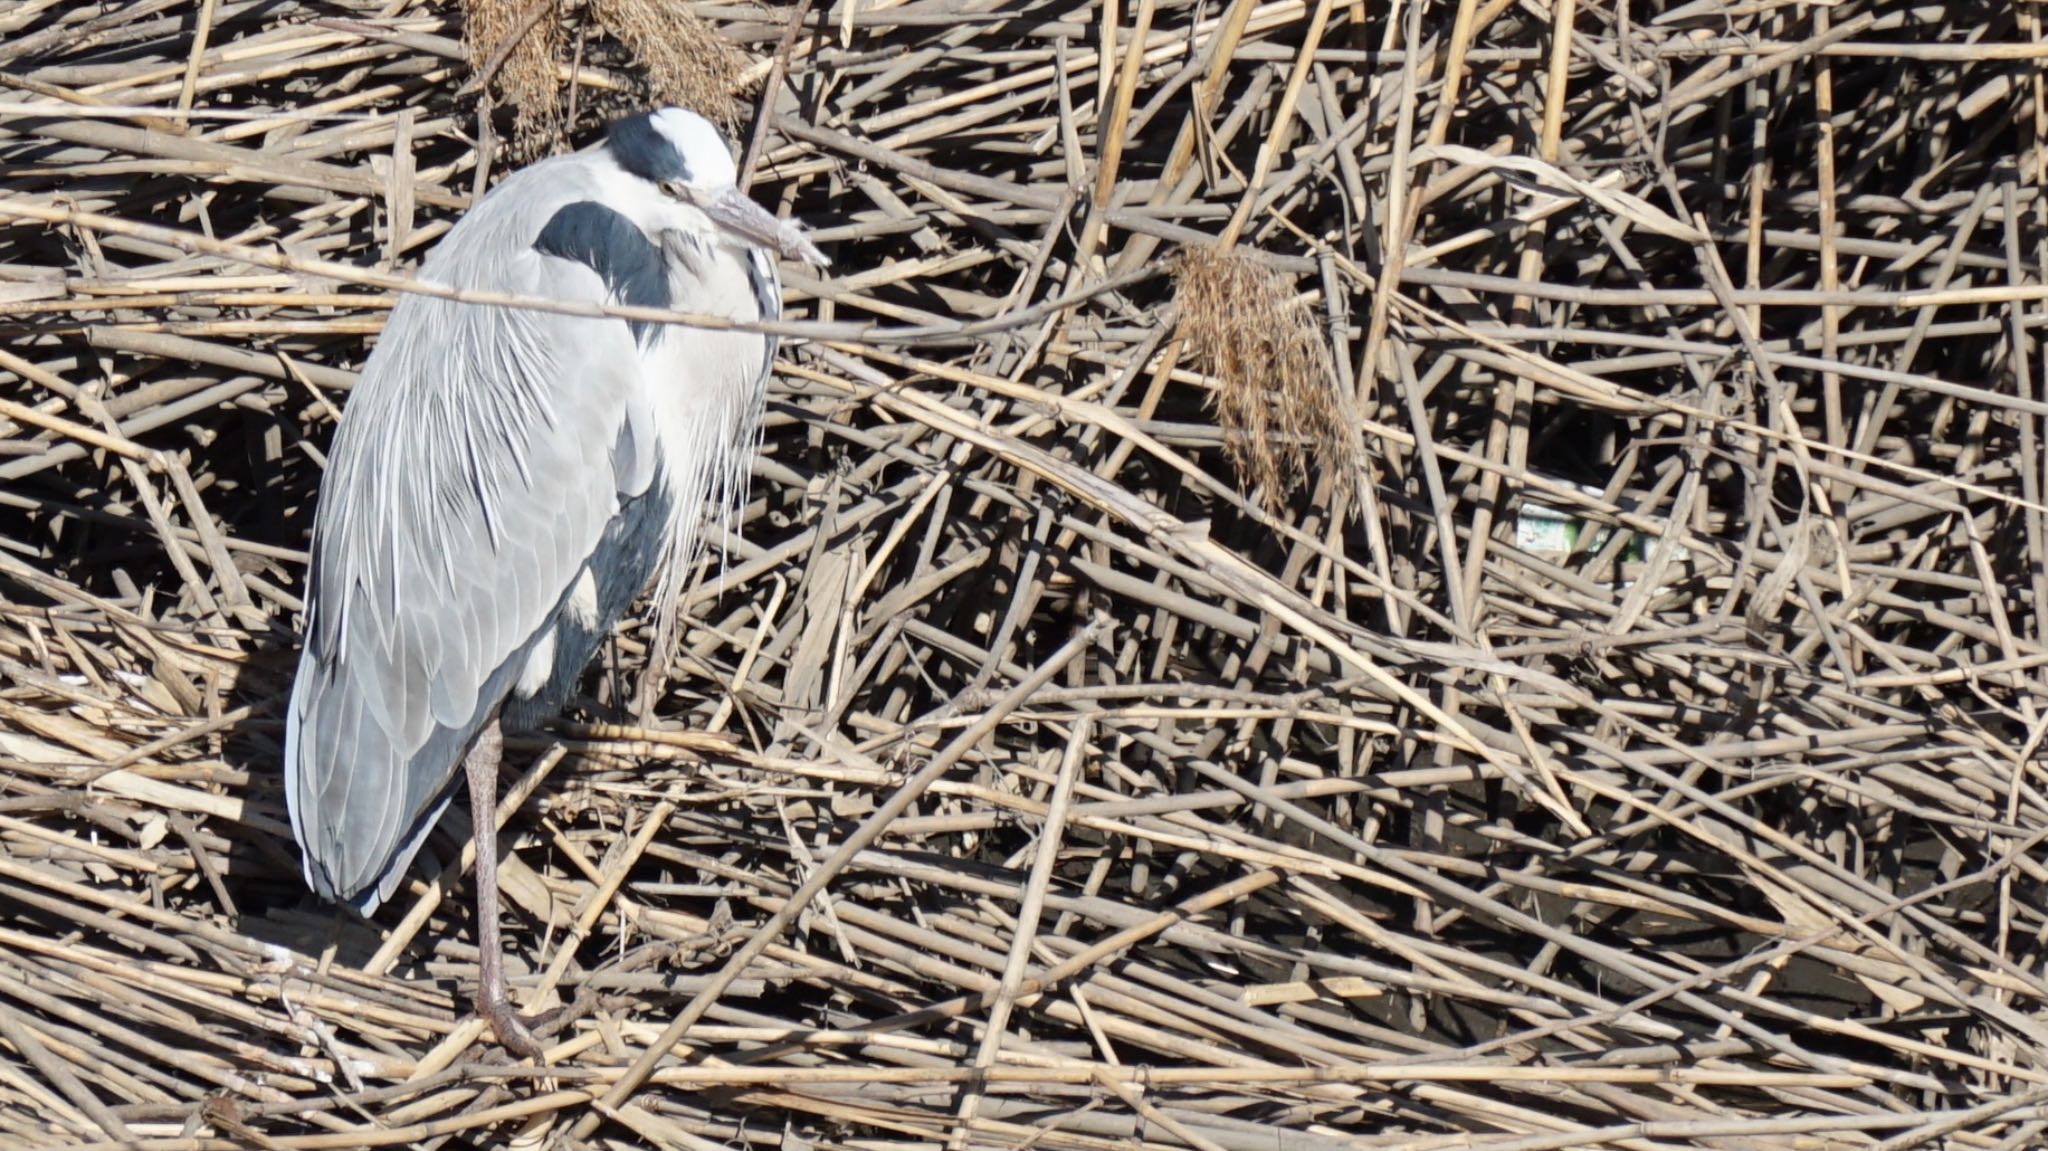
{"x": 641, "y": 149}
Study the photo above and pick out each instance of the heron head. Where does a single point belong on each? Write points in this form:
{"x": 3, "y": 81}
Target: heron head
{"x": 686, "y": 157}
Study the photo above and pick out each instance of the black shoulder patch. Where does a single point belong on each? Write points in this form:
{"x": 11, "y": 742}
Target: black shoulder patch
{"x": 641, "y": 149}
{"x": 610, "y": 245}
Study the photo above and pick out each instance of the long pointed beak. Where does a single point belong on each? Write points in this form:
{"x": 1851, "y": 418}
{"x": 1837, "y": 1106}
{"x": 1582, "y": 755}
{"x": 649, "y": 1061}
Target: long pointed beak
{"x": 733, "y": 211}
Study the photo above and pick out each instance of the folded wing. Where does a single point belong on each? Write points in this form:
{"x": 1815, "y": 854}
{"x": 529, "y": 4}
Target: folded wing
{"x": 486, "y": 453}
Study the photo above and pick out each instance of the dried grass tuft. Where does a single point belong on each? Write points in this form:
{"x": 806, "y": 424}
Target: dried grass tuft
{"x": 685, "y": 60}
{"x": 526, "y": 80}
{"x": 1276, "y": 386}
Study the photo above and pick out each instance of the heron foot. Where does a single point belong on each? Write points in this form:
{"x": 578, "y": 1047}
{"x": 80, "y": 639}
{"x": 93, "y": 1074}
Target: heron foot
{"x": 518, "y": 1034}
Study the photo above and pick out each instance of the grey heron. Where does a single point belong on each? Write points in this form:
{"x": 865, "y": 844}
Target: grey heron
{"x": 506, "y": 481}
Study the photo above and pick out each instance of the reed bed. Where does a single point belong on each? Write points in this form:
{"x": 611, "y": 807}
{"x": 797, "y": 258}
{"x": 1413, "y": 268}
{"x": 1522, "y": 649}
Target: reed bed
{"x": 1321, "y": 576}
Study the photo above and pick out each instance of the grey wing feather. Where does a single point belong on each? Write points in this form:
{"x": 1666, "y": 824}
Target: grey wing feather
{"x": 475, "y": 475}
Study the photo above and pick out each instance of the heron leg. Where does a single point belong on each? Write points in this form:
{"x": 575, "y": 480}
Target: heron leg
{"x": 481, "y": 765}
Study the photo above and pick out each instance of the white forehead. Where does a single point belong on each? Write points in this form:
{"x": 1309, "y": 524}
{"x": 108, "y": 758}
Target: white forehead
{"x": 700, "y": 144}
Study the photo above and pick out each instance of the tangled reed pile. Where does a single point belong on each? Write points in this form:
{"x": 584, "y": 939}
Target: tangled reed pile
{"x": 1329, "y": 576}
